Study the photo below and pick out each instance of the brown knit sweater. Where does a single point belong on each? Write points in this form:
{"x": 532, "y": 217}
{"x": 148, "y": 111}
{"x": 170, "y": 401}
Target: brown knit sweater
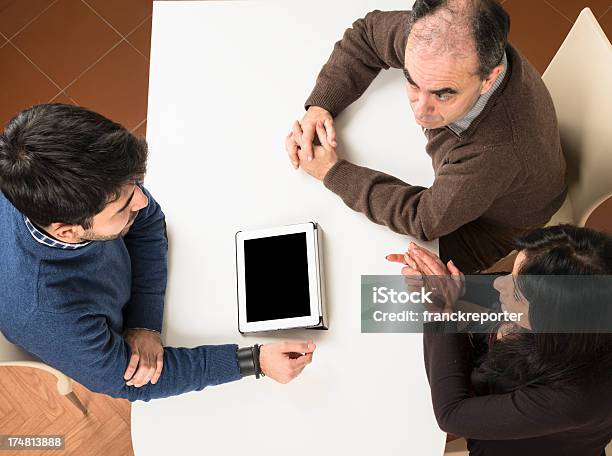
{"x": 506, "y": 169}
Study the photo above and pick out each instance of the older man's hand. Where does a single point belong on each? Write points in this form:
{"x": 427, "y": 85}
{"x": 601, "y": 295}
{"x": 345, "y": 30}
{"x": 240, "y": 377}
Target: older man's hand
{"x": 303, "y": 134}
{"x": 147, "y": 358}
{"x": 324, "y": 156}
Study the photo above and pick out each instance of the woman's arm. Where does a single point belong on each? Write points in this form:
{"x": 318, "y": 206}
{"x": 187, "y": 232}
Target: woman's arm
{"x": 527, "y": 412}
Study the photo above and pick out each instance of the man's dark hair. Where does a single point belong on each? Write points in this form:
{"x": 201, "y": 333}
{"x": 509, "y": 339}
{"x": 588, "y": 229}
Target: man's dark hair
{"x": 64, "y": 163}
{"x": 489, "y": 22}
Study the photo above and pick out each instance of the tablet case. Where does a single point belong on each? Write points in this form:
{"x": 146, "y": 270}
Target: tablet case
{"x": 323, "y": 324}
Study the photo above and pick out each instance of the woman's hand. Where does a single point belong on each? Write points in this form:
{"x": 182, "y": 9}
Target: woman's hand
{"x": 425, "y": 268}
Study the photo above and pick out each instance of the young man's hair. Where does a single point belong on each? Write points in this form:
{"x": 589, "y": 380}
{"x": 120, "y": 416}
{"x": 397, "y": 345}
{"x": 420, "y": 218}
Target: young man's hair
{"x": 489, "y": 25}
{"x": 64, "y": 163}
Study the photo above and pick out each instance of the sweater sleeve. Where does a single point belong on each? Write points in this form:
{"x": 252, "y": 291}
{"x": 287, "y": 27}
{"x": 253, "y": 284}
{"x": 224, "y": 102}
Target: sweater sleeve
{"x": 461, "y": 192}
{"x": 84, "y": 347}
{"x": 147, "y": 245}
{"x": 375, "y": 42}
{"x": 528, "y": 412}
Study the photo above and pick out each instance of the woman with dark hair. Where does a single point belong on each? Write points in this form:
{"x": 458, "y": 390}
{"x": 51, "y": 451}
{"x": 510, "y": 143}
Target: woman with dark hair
{"x": 524, "y": 390}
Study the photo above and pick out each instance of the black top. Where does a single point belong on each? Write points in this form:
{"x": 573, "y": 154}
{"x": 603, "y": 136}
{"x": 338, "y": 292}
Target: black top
{"x": 531, "y": 420}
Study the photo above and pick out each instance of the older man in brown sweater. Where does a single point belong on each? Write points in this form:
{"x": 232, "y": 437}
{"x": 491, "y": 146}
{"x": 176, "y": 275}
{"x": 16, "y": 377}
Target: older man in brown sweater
{"x": 489, "y": 120}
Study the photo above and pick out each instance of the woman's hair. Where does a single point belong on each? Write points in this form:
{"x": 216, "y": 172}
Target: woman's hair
{"x": 570, "y": 315}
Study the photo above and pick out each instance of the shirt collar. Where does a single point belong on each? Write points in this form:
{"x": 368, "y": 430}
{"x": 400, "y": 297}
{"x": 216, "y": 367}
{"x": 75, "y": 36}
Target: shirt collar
{"x": 462, "y": 124}
{"x": 45, "y": 239}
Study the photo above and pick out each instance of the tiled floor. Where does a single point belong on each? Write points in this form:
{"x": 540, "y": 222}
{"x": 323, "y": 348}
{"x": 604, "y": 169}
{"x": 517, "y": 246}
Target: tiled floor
{"x": 538, "y": 27}
{"x": 96, "y": 52}
{"x": 93, "y": 53}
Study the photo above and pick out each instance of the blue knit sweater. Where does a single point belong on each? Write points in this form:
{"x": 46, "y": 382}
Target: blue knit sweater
{"x": 70, "y": 308}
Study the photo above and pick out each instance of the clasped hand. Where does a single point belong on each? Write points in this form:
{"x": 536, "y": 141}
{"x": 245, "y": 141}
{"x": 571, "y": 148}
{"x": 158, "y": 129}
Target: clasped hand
{"x": 316, "y": 160}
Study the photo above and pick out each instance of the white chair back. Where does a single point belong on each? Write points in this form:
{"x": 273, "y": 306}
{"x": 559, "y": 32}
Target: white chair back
{"x": 578, "y": 79}
{"x": 10, "y": 353}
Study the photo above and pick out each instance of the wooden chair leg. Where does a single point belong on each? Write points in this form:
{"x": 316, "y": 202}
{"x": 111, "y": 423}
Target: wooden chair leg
{"x": 77, "y": 402}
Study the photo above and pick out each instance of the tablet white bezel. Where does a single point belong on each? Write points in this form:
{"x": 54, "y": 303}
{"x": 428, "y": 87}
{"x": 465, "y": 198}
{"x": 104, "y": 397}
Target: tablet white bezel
{"x": 313, "y": 278}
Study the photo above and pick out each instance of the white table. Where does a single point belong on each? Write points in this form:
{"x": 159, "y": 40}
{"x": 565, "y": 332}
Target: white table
{"x": 227, "y": 79}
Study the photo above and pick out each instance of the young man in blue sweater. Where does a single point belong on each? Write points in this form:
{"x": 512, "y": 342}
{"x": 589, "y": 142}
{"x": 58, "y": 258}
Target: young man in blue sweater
{"x": 83, "y": 266}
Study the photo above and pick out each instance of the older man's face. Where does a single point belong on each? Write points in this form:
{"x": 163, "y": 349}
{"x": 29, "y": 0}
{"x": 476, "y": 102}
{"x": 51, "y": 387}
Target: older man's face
{"x": 441, "y": 87}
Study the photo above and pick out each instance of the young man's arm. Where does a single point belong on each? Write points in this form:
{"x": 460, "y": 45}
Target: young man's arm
{"x": 373, "y": 43}
{"x": 147, "y": 245}
{"x": 80, "y": 343}
{"x": 84, "y": 347}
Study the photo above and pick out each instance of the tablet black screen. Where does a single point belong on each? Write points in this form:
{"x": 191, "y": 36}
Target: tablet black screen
{"x": 276, "y": 277}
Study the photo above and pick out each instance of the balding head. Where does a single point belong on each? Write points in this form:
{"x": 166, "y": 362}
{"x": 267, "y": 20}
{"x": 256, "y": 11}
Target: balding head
{"x": 446, "y": 31}
{"x": 470, "y": 29}
{"x": 453, "y": 55}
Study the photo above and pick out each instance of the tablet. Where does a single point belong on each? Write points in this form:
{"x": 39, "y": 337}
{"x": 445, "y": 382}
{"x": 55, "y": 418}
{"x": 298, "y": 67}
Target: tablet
{"x": 279, "y": 278}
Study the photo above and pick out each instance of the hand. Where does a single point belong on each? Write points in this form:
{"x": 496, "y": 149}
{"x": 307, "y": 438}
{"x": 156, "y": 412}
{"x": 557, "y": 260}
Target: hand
{"x": 283, "y": 361}
{"x": 147, "y": 356}
{"x": 324, "y": 156}
{"x": 303, "y": 133}
{"x": 445, "y": 281}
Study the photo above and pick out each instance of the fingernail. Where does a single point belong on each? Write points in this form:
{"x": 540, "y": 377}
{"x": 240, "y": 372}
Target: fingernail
{"x": 129, "y": 383}
{"x": 309, "y": 158}
{"x": 387, "y": 257}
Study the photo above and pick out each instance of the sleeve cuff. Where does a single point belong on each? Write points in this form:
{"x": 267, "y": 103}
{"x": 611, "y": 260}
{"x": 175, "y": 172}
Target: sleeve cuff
{"x": 146, "y": 312}
{"x": 440, "y": 327}
{"x": 334, "y": 101}
{"x": 146, "y": 329}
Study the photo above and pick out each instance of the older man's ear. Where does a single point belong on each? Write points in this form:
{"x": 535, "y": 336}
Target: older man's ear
{"x": 488, "y": 82}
